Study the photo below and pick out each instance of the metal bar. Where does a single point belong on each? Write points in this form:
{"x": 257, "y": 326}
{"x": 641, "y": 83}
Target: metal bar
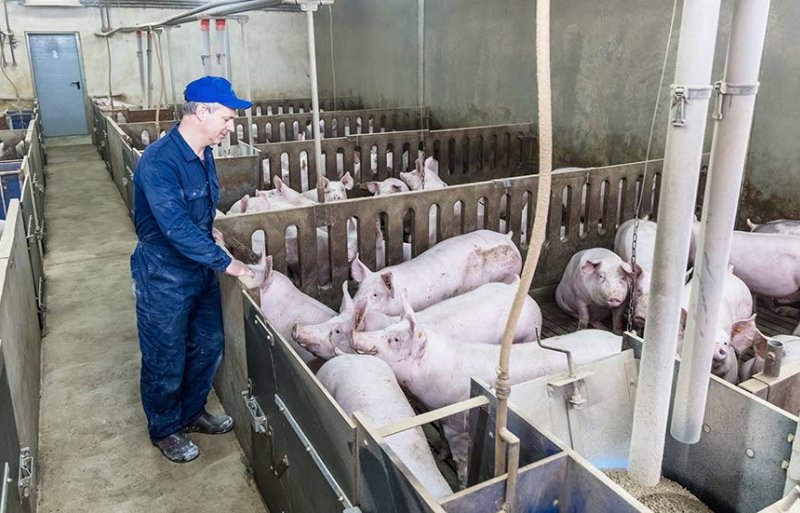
{"x": 140, "y": 57}
{"x": 326, "y": 473}
{"x": 149, "y": 90}
{"x": 432, "y": 416}
{"x": 249, "y": 111}
{"x": 682, "y": 160}
{"x": 728, "y": 157}
{"x": 205, "y": 56}
{"x": 220, "y": 42}
{"x": 171, "y": 72}
{"x": 312, "y": 57}
{"x": 512, "y": 442}
{"x": 6, "y": 483}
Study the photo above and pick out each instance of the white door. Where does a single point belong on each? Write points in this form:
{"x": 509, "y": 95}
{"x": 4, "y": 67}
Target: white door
{"x": 58, "y": 79}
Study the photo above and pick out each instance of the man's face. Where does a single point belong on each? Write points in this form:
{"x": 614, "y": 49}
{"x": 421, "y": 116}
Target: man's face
{"x": 216, "y": 125}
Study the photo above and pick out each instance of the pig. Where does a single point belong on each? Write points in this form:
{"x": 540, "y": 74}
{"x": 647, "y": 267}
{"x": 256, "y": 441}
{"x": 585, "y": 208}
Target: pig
{"x": 437, "y": 369}
{"x": 735, "y": 327}
{"x": 367, "y": 385}
{"x": 373, "y": 159}
{"x": 386, "y": 187}
{"x": 784, "y": 226}
{"x": 768, "y": 263}
{"x": 2, "y": 226}
{"x": 218, "y": 214}
{"x": 335, "y": 190}
{"x": 478, "y": 316}
{"x": 452, "y": 267}
{"x": 595, "y": 283}
{"x": 752, "y": 358}
{"x": 795, "y": 332}
{"x": 645, "y": 242}
{"x": 424, "y": 176}
{"x": 283, "y": 305}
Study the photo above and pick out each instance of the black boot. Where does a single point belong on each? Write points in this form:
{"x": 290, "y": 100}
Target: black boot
{"x": 209, "y": 424}
{"x": 178, "y": 448}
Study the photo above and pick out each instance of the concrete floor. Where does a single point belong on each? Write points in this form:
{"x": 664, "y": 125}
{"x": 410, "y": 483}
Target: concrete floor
{"x": 95, "y": 455}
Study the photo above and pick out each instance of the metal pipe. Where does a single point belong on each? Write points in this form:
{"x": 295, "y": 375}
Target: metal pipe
{"x": 248, "y": 5}
{"x": 249, "y": 111}
{"x": 171, "y": 72}
{"x": 503, "y": 382}
{"x": 219, "y": 39}
{"x": 773, "y": 359}
{"x": 512, "y": 442}
{"x": 728, "y": 157}
{"x": 312, "y": 57}
{"x": 683, "y": 153}
{"x": 205, "y": 56}
{"x": 149, "y": 91}
{"x": 228, "y": 57}
{"x": 421, "y": 60}
{"x": 140, "y": 56}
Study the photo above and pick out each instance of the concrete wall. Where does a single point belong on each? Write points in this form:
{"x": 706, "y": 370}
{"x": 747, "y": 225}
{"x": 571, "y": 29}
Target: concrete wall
{"x": 606, "y": 60}
{"x": 277, "y": 43}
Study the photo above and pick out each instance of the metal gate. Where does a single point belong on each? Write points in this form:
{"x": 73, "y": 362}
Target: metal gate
{"x": 59, "y": 83}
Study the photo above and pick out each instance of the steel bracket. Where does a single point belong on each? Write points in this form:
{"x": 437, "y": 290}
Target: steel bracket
{"x": 257, "y": 418}
{"x": 41, "y": 305}
{"x": 724, "y": 88}
{"x": 25, "y": 478}
{"x": 681, "y": 96}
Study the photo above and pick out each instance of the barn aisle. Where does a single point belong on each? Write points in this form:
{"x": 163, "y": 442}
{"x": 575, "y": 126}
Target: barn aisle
{"x": 95, "y": 455}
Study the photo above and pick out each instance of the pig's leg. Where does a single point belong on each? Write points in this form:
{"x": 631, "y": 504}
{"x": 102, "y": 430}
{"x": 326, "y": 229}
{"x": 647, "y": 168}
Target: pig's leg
{"x": 616, "y": 319}
{"x": 583, "y": 315}
{"x": 455, "y": 430}
{"x": 788, "y": 311}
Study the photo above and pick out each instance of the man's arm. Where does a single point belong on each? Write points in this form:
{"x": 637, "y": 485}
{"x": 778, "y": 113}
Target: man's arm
{"x": 163, "y": 191}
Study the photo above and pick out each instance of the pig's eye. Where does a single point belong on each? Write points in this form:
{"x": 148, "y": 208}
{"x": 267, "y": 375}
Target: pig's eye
{"x": 395, "y": 340}
{"x": 337, "y": 331}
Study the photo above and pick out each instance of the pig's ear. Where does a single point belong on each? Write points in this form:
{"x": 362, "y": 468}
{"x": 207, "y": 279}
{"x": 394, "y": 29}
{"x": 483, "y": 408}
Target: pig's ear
{"x": 243, "y": 204}
{"x": 399, "y": 187}
{"x": 359, "y": 271}
{"x": 760, "y": 344}
{"x": 386, "y": 278}
{"x": 637, "y": 270}
{"x": 626, "y": 268}
{"x": 408, "y": 311}
{"x": 743, "y": 332}
{"x": 419, "y": 342}
{"x": 359, "y": 313}
{"x": 277, "y": 182}
{"x": 432, "y": 166}
{"x": 347, "y": 181}
{"x": 264, "y": 271}
{"x": 372, "y": 187}
{"x": 325, "y": 182}
{"x": 347, "y": 301}
{"x": 589, "y": 267}
{"x": 682, "y": 325}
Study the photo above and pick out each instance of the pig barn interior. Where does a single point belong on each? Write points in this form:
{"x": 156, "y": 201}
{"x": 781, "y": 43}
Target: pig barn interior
{"x": 400, "y": 159}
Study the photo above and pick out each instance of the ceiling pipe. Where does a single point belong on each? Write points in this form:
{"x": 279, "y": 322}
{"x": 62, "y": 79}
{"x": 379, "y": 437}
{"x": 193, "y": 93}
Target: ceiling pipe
{"x": 140, "y": 56}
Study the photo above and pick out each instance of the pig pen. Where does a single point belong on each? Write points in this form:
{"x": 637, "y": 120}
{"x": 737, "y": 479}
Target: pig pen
{"x": 609, "y": 196}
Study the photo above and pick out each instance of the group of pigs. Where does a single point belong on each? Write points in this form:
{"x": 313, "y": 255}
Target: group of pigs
{"x": 427, "y": 325}
{"x": 764, "y": 262}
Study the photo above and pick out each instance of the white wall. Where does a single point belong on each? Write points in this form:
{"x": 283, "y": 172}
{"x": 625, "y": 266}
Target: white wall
{"x": 277, "y": 44}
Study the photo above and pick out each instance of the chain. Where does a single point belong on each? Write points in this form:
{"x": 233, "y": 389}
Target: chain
{"x": 632, "y": 284}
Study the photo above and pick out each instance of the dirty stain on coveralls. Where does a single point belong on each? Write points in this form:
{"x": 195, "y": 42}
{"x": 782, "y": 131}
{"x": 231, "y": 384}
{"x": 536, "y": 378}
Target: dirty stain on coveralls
{"x": 173, "y": 268}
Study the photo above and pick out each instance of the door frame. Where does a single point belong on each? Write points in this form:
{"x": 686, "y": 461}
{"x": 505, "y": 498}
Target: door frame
{"x": 85, "y": 88}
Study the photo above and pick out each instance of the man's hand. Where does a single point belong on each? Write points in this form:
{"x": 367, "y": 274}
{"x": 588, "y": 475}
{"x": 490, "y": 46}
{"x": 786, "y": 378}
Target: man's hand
{"x": 238, "y": 268}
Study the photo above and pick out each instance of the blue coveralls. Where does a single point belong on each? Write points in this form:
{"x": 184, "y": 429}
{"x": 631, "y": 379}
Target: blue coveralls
{"x": 178, "y": 311}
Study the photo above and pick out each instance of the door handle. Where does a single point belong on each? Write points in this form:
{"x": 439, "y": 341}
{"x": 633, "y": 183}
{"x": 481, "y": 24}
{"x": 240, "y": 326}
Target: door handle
{"x": 77, "y": 84}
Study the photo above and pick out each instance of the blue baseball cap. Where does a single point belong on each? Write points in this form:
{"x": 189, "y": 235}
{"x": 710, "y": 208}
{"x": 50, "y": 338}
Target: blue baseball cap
{"x": 214, "y": 90}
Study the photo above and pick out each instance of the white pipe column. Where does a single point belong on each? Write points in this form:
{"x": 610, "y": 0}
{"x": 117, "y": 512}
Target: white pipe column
{"x": 249, "y": 111}
{"x": 220, "y": 41}
{"x": 149, "y": 92}
{"x": 171, "y": 70}
{"x": 735, "y": 104}
{"x": 421, "y": 62}
{"x": 205, "y": 56}
{"x": 682, "y": 158}
{"x": 140, "y": 56}
{"x": 312, "y": 57}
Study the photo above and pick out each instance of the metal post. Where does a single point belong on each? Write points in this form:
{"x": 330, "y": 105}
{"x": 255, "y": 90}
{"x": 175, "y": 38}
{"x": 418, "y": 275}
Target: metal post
{"x": 149, "y": 90}
{"x": 171, "y": 71}
{"x": 312, "y": 57}
{"x": 728, "y": 155}
{"x": 682, "y": 157}
{"x": 220, "y": 42}
{"x": 421, "y": 64}
{"x": 140, "y": 56}
{"x": 249, "y": 111}
{"x": 205, "y": 56}
{"x": 228, "y": 58}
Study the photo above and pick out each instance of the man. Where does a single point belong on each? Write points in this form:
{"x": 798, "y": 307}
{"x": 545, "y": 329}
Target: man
{"x": 178, "y": 309}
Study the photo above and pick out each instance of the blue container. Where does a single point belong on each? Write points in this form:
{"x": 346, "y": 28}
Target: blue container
{"x": 19, "y": 119}
{"x": 10, "y": 182}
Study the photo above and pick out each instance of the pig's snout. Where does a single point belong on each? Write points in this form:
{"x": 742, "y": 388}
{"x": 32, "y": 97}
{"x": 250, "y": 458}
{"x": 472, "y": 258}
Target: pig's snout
{"x": 361, "y": 345}
{"x": 720, "y": 352}
{"x": 614, "y": 302}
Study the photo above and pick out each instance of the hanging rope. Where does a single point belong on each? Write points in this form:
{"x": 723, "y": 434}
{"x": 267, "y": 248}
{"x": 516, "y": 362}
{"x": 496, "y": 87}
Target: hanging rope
{"x": 637, "y": 212}
{"x": 502, "y": 385}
